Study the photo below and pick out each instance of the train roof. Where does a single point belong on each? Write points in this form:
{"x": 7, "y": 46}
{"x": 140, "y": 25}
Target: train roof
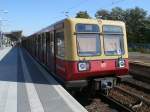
{"x": 96, "y": 21}
{"x": 80, "y": 20}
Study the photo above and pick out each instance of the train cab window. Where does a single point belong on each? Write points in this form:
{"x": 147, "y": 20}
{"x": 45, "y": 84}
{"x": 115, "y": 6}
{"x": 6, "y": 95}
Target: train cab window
{"x": 88, "y": 44}
{"x": 112, "y": 29}
{"x": 60, "y": 44}
{"x": 87, "y": 28}
{"x": 113, "y": 40}
{"x": 88, "y": 40}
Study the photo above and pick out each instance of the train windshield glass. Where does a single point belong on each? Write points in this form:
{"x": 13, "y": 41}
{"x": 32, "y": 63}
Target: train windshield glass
{"x": 112, "y": 29}
{"x": 88, "y": 44}
{"x": 113, "y": 40}
{"x": 87, "y": 28}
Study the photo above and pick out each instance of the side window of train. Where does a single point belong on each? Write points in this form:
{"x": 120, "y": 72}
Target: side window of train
{"x": 60, "y": 44}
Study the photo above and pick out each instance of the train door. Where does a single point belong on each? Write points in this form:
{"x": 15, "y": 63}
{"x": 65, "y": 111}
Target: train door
{"x": 60, "y": 52}
{"x": 44, "y": 47}
{"x": 50, "y": 51}
{"x": 47, "y": 47}
{"x": 39, "y": 47}
{"x": 36, "y": 46}
{"x": 32, "y": 46}
{"x": 52, "y": 46}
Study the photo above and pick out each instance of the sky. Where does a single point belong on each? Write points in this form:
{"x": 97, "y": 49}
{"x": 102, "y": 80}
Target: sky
{"x": 33, "y": 15}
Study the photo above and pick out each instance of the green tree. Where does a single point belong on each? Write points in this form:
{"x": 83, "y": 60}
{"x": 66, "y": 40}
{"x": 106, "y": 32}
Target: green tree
{"x": 103, "y": 14}
{"x": 135, "y": 19}
{"x": 146, "y": 30}
{"x": 118, "y": 14}
{"x": 83, "y": 14}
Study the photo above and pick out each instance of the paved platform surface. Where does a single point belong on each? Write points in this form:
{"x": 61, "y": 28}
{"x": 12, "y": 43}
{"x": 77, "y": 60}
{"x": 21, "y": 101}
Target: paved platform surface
{"x": 26, "y": 87}
{"x": 139, "y": 57}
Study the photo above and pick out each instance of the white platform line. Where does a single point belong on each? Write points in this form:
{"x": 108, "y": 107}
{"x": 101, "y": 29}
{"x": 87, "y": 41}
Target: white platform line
{"x": 4, "y": 52}
{"x": 34, "y": 101}
{"x": 70, "y": 101}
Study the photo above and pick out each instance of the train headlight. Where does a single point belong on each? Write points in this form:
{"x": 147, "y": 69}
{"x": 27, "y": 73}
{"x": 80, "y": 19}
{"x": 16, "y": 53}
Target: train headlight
{"x": 83, "y": 66}
{"x": 121, "y": 63}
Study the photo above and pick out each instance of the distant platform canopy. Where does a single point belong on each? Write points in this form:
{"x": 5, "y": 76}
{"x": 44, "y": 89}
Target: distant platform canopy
{"x": 14, "y": 35}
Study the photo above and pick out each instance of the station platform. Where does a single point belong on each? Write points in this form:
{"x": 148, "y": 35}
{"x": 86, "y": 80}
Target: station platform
{"x": 27, "y": 87}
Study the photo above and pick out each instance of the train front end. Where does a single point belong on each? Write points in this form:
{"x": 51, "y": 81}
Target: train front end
{"x": 97, "y": 50}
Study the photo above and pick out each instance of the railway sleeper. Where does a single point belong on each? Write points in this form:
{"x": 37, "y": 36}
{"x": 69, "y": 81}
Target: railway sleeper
{"x": 139, "y": 97}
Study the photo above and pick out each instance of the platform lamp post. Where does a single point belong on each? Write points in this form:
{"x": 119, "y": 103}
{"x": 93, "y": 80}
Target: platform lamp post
{"x": 1, "y": 33}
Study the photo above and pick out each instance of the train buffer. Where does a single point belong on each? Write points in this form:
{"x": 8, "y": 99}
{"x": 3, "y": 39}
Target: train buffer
{"x": 26, "y": 87}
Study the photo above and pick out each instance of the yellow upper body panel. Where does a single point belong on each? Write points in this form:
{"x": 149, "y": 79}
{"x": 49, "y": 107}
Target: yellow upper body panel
{"x": 71, "y": 48}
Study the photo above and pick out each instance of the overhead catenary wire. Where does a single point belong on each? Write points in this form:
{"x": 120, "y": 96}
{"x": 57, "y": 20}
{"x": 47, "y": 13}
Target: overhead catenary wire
{"x": 116, "y": 2}
{"x": 111, "y": 4}
{"x": 68, "y": 10}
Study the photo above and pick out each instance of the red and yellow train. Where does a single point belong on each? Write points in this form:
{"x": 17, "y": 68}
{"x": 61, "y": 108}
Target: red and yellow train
{"x": 80, "y": 50}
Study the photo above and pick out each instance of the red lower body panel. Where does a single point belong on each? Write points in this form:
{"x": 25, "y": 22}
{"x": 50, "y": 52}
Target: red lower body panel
{"x": 68, "y": 70}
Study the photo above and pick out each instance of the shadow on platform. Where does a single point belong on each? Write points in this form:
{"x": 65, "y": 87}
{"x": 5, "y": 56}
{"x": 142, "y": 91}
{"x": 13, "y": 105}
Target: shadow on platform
{"x": 11, "y": 69}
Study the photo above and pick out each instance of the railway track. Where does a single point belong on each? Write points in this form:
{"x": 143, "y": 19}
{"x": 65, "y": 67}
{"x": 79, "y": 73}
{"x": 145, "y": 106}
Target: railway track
{"x": 126, "y": 99}
{"x": 142, "y": 86}
{"x": 122, "y": 98}
{"x": 140, "y": 71}
{"x": 101, "y": 103}
{"x": 135, "y": 100}
{"x": 92, "y": 103}
{"x": 115, "y": 104}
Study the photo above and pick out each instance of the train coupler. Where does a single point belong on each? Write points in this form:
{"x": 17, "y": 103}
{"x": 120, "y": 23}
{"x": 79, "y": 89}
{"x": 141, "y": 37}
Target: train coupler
{"x": 104, "y": 84}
